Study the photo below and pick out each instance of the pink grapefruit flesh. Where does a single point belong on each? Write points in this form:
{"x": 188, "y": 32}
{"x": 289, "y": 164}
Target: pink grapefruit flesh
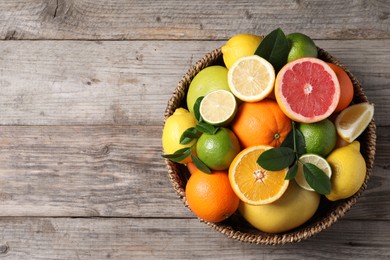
{"x": 307, "y": 90}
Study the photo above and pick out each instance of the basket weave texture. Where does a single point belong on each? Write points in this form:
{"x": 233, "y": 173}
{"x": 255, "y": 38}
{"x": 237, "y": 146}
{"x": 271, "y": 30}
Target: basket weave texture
{"x": 236, "y": 227}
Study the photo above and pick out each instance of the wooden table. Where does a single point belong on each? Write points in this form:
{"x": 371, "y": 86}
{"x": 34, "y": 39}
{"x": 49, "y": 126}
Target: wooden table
{"x": 83, "y": 88}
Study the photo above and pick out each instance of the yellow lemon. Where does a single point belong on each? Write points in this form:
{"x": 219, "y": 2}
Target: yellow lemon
{"x": 174, "y": 127}
{"x": 348, "y": 171}
{"x": 293, "y": 209}
{"x": 239, "y": 46}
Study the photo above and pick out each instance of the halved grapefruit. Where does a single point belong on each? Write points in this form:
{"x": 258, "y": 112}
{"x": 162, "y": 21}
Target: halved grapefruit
{"x": 307, "y": 90}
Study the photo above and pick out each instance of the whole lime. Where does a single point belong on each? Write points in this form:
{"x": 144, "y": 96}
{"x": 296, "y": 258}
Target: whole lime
{"x": 301, "y": 45}
{"x": 320, "y": 137}
{"x": 218, "y": 150}
{"x": 207, "y": 80}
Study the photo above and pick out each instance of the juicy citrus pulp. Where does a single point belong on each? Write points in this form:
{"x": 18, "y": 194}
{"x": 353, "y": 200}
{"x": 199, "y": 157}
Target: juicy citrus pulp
{"x": 320, "y": 137}
{"x": 239, "y": 46}
{"x": 207, "y": 80}
{"x": 251, "y": 78}
{"x": 218, "y": 150}
{"x": 307, "y": 90}
{"x": 353, "y": 120}
{"x": 174, "y": 127}
{"x": 253, "y": 184}
{"x": 300, "y": 46}
{"x": 218, "y": 107}
{"x": 348, "y": 171}
{"x": 318, "y": 161}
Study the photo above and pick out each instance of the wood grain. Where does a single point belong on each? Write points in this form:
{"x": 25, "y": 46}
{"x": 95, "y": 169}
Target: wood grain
{"x": 199, "y": 19}
{"x": 116, "y": 171}
{"x": 129, "y": 238}
{"x": 129, "y": 83}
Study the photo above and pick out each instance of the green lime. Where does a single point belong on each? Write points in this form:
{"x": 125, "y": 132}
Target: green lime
{"x": 320, "y": 137}
{"x": 301, "y": 45}
{"x": 207, "y": 80}
{"x": 218, "y": 107}
{"x": 218, "y": 150}
{"x": 318, "y": 161}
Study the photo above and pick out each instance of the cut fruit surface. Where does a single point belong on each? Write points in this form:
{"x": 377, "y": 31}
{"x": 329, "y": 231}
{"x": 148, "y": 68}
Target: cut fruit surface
{"x": 353, "y": 120}
{"x": 307, "y": 90}
{"x": 253, "y": 184}
{"x": 318, "y": 161}
{"x": 251, "y": 78}
{"x": 218, "y": 107}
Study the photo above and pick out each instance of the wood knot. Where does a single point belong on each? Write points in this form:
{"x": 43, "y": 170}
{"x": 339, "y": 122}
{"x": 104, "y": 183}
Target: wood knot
{"x": 4, "y": 248}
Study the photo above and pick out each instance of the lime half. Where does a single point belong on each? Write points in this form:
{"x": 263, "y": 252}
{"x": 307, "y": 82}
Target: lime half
{"x": 218, "y": 107}
{"x": 318, "y": 161}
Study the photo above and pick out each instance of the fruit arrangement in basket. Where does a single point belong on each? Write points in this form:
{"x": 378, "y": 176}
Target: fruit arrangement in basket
{"x": 270, "y": 133}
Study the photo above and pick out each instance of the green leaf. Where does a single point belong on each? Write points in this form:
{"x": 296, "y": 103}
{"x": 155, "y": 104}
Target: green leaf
{"x": 200, "y": 165}
{"x": 292, "y": 172}
{"x": 196, "y": 108}
{"x": 276, "y": 159}
{"x": 207, "y": 128}
{"x": 274, "y": 48}
{"x": 316, "y": 178}
{"x": 179, "y": 155}
{"x": 189, "y": 135}
{"x": 300, "y": 143}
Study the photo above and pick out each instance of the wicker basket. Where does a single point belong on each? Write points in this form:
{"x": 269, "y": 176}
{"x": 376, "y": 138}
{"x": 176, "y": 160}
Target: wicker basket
{"x": 236, "y": 227}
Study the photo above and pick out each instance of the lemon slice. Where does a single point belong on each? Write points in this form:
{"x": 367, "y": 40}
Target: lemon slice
{"x": 318, "y": 161}
{"x": 218, "y": 107}
{"x": 251, "y": 78}
{"x": 252, "y": 183}
{"x": 353, "y": 120}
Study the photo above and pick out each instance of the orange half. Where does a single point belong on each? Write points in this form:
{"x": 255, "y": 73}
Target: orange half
{"x": 253, "y": 184}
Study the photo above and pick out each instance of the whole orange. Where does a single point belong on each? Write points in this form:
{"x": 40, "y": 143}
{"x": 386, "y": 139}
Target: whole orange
{"x": 210, "y": 196}
{"x": 346, "y": 87}
{"x": 261, "y": 123}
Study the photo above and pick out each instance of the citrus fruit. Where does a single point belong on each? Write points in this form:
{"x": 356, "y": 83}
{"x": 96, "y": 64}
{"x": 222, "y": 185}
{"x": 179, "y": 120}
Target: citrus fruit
{"x": 301, "y": 46}
{"x": 218, "y": 150}
{"x": 207, "y": 80}
{"x": 293, "y": 209}
{"x": 318, "y": 161}
{"x": 307, "y": 90}
{"x": 253, "y": 184}
{"x": 174, "y": 127}
{"x": 210, "y": 196}
{"x": 251, "y": 78}
{"x": 239, "y": 46}
{"x": 218, "y": 107}
{"x": 260, "y": 123}
{"x": 320, "y": 137}
{"x": 348, "y": 171}
{"x": 353, "y": 120}
{"x": 346, "y": 87}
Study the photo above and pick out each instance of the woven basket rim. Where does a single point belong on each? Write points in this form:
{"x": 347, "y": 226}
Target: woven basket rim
{"x": 300, "y": 233}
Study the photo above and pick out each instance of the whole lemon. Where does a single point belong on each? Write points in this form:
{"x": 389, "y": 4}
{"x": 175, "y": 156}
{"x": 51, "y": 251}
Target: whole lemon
{"x": 174, "y": 127}
{"x": 207, "y": 80}
{"x": 218, "y": 150}
{"x": 295, "y": 207}
{"x": 239, "y": 46}
{"x": 348, "y": 171}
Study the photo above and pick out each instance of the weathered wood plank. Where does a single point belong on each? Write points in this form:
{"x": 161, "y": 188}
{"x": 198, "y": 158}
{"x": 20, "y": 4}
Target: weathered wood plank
{"x": 200, "y": 19}
{"x": 116, "y": 171}
{"x": 129, "y": 238}
{"x": 129, "y": 83}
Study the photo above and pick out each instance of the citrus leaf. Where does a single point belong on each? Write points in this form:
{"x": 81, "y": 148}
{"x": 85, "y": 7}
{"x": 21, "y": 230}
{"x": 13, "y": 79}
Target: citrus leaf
{"x": 316, "y": 178}
{"x": 274, "y": 48}
{"x": 196, "y": 108}
{"x": 179, "y": 155}
{"x": 300, "y": 143}
{"x": 207, "y": 128}
{"x": 189, "y": 135}
{"x": 276, "y": 159}
{"x": 200, "y": 165}
{"x": 292, "y": 172}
